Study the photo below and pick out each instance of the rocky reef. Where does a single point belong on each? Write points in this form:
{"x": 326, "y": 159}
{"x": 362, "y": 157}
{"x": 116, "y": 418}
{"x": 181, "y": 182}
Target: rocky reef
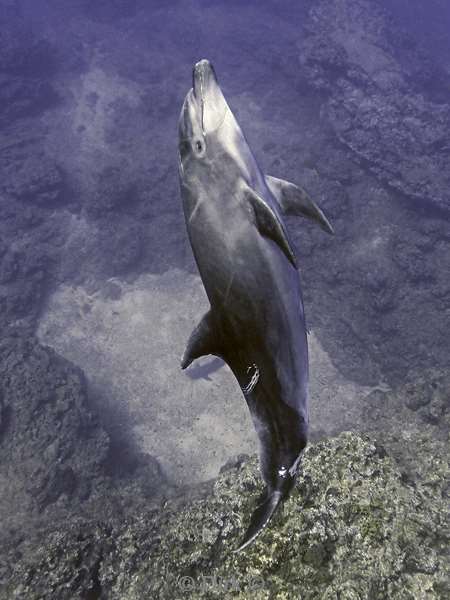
{"x": 56, "y": 459}
{"x": 51, "y": 444}
{"x": 386, "y": 101}
{"x": 381, "y": 164}
{"x": 354, "y": 527}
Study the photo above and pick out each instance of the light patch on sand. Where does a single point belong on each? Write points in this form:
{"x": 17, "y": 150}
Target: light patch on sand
{"x": 87, "y": 133}
{"x": 336, "y": 403}
{"x": 373, "y": 247}
{"x": 128, "y": 338}
{"x": 94, "y": 99}
{"x": 130, "y": 349}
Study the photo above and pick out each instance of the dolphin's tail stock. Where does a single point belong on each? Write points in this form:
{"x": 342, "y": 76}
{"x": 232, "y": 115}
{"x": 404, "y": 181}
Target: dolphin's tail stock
{"x": 278, "y": 476}
{"x": 266, "y": 508}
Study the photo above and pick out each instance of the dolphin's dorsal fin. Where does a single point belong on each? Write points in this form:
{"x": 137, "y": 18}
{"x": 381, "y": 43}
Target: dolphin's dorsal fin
{"x": 293, "y": 200}
{"x": 202, "y": 341}
{"x": 269, "y": 224}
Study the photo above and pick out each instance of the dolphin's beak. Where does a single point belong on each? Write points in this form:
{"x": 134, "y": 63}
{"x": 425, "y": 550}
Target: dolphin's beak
{"x": 203, "y": 78}
{"x": 208, "y": 94}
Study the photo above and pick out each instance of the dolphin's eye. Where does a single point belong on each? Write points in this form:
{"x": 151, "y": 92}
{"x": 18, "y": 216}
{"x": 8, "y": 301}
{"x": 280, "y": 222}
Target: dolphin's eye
{"x": 199, "y": 147}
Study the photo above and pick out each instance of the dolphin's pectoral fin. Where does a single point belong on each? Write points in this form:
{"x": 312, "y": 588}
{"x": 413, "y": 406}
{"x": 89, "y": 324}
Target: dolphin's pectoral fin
{"x": 202, "y": 341}
{"x": 293, "y": 200}
{"x": 260, "y": 517}
{"x": 269, "y": 225}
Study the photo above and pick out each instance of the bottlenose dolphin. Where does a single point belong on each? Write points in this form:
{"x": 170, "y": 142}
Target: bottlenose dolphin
{"x": 256, "y": 321}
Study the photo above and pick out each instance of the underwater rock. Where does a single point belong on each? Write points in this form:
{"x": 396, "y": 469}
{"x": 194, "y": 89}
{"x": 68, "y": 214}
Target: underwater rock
{"x": 26, "y": 260}
{"x": 354, "y": 528}
{"x": 429, "y": 396}
{"x": 110, "y": 10}
{"x": 35, "y": 179}
{"x": 2, "y": 415}
{"x": 112, "y": 192}
{"x": 52, "y": 446}
{"x": 21, "y": 52}
{"x": 56, "y": 459}
{"x": 24, "y": 98}
{"x": 403, "y": 138}
{"x": 397, "y": 132}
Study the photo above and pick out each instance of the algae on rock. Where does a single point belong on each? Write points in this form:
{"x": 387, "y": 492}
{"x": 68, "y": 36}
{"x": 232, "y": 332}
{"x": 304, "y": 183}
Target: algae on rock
{"x": 354, "y": 527}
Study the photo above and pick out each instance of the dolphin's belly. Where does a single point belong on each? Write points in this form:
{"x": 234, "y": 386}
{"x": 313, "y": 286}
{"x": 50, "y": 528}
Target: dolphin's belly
{"x": 239, "y": 268}
{"x": 254, "y": 293}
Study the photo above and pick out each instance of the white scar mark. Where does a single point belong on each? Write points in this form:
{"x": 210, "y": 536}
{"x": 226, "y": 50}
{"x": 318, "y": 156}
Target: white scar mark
{"x": 227, "y": 291}
{"x": 180, "y": 166}
{"x": 253, "y": 381}
{"x": 200, "y": 200}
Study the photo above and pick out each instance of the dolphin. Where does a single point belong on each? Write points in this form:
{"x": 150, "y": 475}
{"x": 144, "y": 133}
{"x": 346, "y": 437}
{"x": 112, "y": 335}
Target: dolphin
{"x": 256, "y": 322}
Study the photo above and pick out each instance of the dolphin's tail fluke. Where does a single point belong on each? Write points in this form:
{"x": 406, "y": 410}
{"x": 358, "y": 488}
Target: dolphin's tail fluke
{"x": 269, "y": 501}
{"x": 260, "y": 517}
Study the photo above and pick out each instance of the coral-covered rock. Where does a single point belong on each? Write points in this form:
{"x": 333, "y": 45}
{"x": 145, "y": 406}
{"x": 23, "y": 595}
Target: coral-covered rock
{"x": 353, "y": 527}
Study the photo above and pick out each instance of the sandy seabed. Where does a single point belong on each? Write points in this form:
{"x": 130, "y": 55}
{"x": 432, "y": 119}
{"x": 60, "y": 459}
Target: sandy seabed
{"x": 128, "y": 339}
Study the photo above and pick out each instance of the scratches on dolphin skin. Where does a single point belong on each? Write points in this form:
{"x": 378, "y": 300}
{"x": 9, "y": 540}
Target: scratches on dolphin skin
{"x": 254, "y": 379}
{"x": 293, "y": 470}
{"x": 180, "y": 166}
{"x": 198, "y": 203}
{"x": 227, "y": 291}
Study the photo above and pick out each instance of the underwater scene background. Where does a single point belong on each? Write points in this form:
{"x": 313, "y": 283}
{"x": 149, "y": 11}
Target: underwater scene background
{"x": 122, "y": 476}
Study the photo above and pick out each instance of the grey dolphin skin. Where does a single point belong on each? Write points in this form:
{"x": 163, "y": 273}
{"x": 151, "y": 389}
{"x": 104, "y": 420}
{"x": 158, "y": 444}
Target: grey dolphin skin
{"x": 256, "y": 322}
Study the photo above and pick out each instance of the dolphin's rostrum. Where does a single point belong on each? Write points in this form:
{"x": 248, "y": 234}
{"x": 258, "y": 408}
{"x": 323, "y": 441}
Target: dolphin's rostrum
{"x": 256, "y": 322}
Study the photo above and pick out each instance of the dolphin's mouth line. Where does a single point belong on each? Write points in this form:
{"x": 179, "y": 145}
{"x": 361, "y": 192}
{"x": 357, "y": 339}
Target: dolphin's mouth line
{"x": 197, "y": 85}
{"x": 202, "y": 104}
{"x": 198, "y": 89}
{"x": 202, "y": 108}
